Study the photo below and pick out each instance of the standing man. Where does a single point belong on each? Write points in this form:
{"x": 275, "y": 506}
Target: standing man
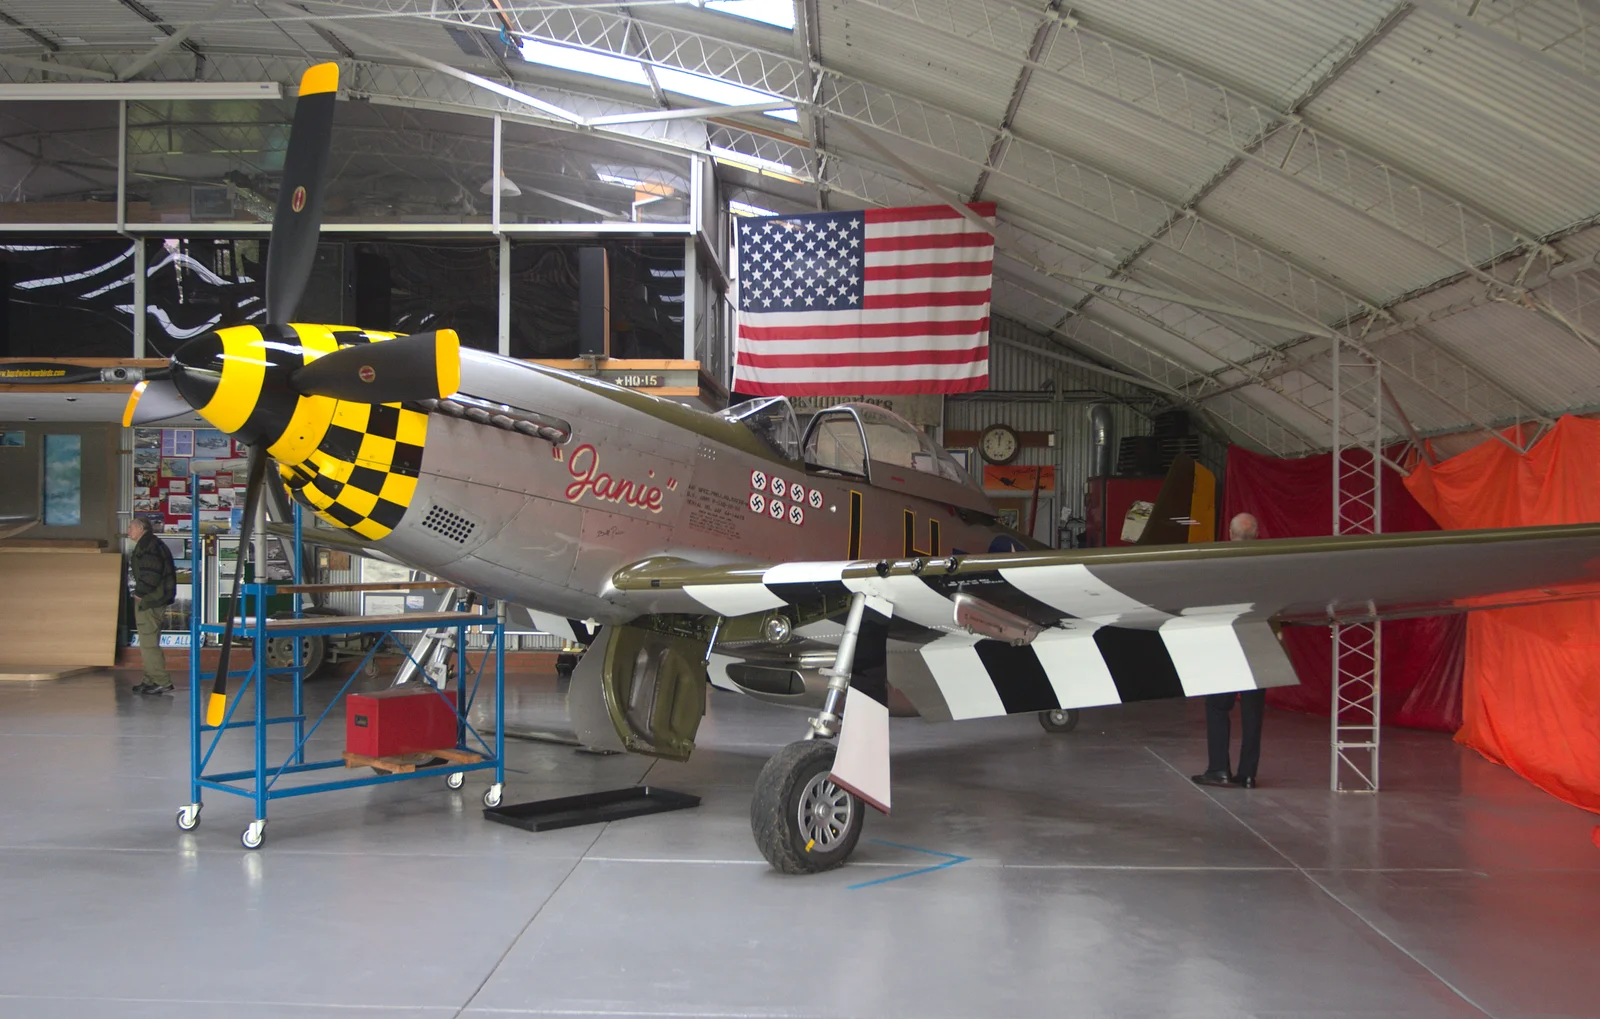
{"x": 155, "y": 585}
{"x": 1242, "y": 527}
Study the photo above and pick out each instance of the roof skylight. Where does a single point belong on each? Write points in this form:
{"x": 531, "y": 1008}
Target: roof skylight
{"x": 584, "y": 62}
{"x": 696, "y": 86}
{"x": 746, "y": 209}
{"x": 768, "y": 12}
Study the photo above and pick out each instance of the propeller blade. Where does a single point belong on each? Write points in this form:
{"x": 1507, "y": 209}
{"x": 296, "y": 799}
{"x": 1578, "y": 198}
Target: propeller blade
{"x": 298, "y": 218}
{"x": 216, "y": 707}
{"x": 154, "y": 400}
{"x": 426, "y": 366}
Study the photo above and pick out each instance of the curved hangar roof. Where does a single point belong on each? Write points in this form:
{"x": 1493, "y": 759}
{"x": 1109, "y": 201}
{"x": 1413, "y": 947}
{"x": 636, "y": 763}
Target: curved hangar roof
{"x": 1206, "y": 194}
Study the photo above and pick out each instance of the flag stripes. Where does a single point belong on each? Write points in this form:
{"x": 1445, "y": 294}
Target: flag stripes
{"x": 882, "y": 301}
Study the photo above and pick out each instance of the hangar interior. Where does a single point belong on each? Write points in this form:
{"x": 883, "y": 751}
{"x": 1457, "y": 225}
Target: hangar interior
{"x": 1249, "y": 231}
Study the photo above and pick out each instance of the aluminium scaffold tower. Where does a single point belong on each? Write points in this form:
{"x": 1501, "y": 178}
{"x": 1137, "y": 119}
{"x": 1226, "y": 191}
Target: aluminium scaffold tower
{"x": 1357, "y": 686}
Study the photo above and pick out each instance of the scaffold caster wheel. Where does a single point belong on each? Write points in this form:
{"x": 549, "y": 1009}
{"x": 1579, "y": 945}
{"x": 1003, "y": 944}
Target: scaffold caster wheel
{"x": 1059, "y": 719}
{"x": 491, "y": 795}
{"x": 189, "y": 817}
{"x": 254, "y": 832}
{"x": 370, "y": 669}
{"x": 455, "y": 779}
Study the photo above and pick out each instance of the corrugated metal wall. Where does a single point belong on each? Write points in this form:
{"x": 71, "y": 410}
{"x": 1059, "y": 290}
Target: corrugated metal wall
{"x": 1023, "y": 393}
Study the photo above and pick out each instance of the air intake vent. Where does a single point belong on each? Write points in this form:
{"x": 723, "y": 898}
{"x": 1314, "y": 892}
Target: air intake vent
{"x": 451, "y": 525}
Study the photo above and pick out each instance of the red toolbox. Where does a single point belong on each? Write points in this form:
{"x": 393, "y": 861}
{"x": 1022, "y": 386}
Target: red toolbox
{"x": 402, "y": 720}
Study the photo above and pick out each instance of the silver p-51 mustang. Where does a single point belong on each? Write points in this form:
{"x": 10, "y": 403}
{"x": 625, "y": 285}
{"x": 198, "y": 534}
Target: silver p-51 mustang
{"x": 818, "y": 570}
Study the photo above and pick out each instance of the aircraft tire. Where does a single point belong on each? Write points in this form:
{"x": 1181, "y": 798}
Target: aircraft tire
{"x": 793, "y": 780}
{"x": 1059, "y": 720}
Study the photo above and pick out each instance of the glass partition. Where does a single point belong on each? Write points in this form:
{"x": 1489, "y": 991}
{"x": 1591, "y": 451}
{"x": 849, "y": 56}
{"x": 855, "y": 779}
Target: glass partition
{"x": 66, "y": 297}
{"x": 195, "y": 284}
{"x": 564, "y": 177}
{"x": 412, "y": 286}
{"x": 222, "y": 161}
{"x": 205, "y": 161}
{"x": 58, "y": 162}
{"x": 646, "y": 298}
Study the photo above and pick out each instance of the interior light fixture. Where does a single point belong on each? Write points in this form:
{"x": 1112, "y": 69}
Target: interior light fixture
{"x": 508, "y": 187}
{"x": 152, "y": 90}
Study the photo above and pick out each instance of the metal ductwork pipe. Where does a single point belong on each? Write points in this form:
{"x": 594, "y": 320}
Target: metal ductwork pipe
{"x": 1101, "y": 442}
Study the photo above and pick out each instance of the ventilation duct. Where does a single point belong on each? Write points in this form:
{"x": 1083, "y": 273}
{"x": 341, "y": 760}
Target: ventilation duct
{"x": 1102, "y": 447}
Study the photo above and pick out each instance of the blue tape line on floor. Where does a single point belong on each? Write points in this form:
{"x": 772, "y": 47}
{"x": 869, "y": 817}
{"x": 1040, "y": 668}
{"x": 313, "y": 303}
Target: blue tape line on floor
{"x": 951, "y": 859}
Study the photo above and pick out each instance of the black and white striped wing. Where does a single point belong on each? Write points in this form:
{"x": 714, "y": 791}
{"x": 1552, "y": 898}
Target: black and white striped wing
{"x": 1117, "y": 625}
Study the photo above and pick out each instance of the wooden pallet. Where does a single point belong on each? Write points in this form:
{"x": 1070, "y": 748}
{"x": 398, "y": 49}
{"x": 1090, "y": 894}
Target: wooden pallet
{"x": 404, "y": 764}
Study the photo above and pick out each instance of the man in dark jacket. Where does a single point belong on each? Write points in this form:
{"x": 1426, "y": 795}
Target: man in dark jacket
{"x": 155, "y": 585}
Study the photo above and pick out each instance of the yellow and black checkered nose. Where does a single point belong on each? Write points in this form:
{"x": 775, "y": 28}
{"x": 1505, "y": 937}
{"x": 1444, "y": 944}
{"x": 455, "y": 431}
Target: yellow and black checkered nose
{"x": 356, "y": 464}
{"x": 363, "y": 472}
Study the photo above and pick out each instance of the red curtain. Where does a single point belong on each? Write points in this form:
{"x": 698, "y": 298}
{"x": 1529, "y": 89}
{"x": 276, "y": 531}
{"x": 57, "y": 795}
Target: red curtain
{"x": 1422, "y": 658}
{"x": 1532, "y": 687}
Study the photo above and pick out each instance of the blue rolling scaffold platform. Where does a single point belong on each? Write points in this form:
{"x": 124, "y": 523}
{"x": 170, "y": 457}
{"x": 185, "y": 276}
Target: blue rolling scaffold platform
{"x": 265, "y": 781}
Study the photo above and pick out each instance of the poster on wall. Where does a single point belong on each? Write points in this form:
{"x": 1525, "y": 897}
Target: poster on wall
{"x": 177, "y": 442}
{"x": 208, "y": 442}
{"x": 146, "y": 459}
{"x": 13, "y": 438}
{"x": 63, "y": 480}
{"x": 147, "y": 438}
{"x": 175, "y": 467}
{"x": 1018, "y": 478}
{"x": 179, "y": 506}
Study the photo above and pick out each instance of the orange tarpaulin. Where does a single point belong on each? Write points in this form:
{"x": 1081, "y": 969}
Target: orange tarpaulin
{"x": 1531, "y": 696}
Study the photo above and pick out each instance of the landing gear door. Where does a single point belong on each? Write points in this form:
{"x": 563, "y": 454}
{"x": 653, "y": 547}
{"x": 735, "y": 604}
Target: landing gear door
{"x": 654, "y": 685}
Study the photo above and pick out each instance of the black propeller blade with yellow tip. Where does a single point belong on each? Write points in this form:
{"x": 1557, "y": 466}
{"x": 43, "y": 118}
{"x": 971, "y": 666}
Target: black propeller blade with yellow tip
{"x": 298, "y": 219}
{"x": 290, "y": 255}
{"x": 423, "y": 366}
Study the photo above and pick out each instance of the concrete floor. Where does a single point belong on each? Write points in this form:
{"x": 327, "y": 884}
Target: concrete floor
{"x": 1100, "y": 882}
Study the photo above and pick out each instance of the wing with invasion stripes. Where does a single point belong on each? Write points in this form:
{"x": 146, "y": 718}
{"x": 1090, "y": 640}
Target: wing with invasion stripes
{"x": 987, "y": 635}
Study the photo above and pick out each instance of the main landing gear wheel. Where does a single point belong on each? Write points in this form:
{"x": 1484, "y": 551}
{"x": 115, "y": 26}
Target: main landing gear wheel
{"x": 802, "y": 821}
{"x": 1059, "y": 719}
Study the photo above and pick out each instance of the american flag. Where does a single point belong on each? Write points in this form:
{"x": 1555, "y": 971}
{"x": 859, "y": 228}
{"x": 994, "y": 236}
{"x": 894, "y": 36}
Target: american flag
{"x": 878, "y": 302}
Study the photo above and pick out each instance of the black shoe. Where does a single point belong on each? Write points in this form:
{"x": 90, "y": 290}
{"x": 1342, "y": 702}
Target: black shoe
{"x": 139, "y": 687}
{"x": 1243, "y": 783}
{"x": 154, "y": 689}
{"x": 1212, "y": 778}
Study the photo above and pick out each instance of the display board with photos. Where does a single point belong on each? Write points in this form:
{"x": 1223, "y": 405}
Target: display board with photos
{"x": 181, "y": 475}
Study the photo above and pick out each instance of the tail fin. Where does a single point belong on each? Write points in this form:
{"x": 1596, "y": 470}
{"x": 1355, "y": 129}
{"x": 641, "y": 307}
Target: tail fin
{"x": 1186, "y": 509}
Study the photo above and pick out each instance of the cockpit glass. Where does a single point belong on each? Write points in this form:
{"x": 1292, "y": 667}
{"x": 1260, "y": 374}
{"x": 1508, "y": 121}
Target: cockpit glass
{"x": 772, "y": 420}
{"x": 891, "y": 439}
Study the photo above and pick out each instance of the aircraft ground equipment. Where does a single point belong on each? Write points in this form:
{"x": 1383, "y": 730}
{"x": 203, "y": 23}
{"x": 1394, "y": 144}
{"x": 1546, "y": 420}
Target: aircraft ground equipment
{"x": 266, "y": 780}
{"x": 1059, "y": 719}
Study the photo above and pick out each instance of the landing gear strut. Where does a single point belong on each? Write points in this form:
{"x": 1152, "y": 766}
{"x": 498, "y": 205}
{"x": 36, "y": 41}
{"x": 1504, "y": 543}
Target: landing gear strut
{"x": 804, "y": 822}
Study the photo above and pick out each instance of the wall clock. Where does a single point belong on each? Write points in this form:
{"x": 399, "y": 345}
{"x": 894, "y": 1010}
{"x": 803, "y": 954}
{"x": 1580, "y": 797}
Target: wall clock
{"x": 999, "y": 444}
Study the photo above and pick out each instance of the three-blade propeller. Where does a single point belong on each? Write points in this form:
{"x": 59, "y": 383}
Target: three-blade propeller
{"x": 419, "y": 367}
{"x": 291, "y": 252}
